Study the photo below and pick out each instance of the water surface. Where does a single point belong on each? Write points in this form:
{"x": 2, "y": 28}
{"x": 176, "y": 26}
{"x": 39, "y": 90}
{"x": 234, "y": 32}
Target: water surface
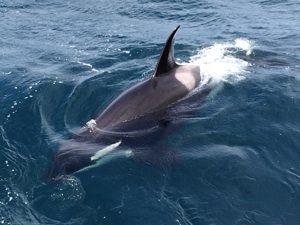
{"x": 237, "y": 158}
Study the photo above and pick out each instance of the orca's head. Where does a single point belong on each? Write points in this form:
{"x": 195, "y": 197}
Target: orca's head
{"x": 71, "y": 157}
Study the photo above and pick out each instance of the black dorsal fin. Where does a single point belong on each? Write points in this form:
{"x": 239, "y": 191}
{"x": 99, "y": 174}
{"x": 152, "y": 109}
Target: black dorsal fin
{"x": 166, "y": 60}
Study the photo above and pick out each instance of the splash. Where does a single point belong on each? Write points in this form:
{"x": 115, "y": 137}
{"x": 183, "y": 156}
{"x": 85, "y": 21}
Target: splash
{"x": 219, "y": 62}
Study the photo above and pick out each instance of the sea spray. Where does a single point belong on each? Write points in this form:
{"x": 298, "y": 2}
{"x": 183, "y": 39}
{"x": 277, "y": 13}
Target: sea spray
{"x": 219, "y": 64}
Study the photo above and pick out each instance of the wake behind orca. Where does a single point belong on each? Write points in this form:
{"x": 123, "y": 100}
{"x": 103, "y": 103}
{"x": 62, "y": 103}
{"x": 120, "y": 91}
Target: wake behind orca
{"x": 146, "y": 104}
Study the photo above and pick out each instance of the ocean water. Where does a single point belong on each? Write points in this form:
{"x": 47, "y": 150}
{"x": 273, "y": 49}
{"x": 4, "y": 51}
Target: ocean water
{"x": 234, "y": 161}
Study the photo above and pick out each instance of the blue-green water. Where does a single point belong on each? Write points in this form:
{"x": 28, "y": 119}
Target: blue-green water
{"x": 236, "y": 159}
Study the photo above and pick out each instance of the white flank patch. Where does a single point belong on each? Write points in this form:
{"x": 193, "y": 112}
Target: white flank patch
{"x": 101, "y": 153}
{"x": 106, "y": 159}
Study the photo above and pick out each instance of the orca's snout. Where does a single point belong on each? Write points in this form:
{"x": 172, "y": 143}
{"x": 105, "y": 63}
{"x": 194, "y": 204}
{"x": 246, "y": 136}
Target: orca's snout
{"x": 71, "y": 157}
{"x": 58, "y": 169}
{"x": 67, "y": 163}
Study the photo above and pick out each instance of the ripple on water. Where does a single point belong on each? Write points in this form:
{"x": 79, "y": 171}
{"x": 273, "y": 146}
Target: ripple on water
{"x": 232, "y": 157}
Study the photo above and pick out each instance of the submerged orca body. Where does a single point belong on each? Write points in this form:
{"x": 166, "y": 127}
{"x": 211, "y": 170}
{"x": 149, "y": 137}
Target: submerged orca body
{"x": 144, "y": 104}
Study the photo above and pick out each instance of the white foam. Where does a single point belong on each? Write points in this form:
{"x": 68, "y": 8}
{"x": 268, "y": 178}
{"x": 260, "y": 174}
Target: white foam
{"x": 218, "y": 62}
{"x": 244, "y": 44}
{"x": 88, "y": 65}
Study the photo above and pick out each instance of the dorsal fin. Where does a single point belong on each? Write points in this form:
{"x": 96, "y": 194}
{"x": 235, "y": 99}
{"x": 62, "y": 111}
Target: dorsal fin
{"x": 166, "y": 60}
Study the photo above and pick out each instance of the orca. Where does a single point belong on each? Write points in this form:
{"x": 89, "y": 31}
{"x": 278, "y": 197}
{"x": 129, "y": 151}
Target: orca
{"x": 143, "y": 104}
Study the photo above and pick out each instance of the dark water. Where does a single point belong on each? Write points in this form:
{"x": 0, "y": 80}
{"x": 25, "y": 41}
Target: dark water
{"x": 237, "y": 158}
